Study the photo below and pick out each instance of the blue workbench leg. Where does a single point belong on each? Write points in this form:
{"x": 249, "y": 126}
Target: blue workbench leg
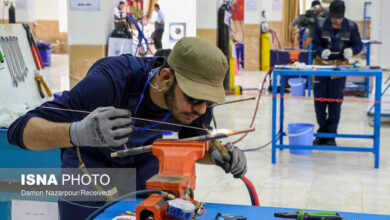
{"x": 282, "y": 78}
{"x": 367, "y": 80}
{"x": 274, "y": 106}
{"x": 368, "y": 54}
{"x": 310, "y": 59}
{"x": 310, "y": 63}
{"x": 377, "y": 117}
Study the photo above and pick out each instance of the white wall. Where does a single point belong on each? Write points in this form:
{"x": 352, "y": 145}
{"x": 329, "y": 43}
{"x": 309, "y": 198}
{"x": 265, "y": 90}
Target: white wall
{"x": 91, "y": 27}
{"x": 36, "y": 10}
{"x": 24, "y": 10}
{"x": 206, "y": 14}
{"x": 272, "y": 15}
{"x": 46, "y": 9}
{"x": 4, "y": 11}
{"x": 178, "y": 11}
{"x": 252, "y": 11}
{"x": 354, "y": 9}
{"x": 380, "y": 30}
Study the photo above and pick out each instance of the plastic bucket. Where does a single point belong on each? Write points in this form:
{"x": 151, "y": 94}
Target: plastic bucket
{"x": 45, "y": 51}
{"x": 297, "y": 86}
{"x": 300, "y": 134}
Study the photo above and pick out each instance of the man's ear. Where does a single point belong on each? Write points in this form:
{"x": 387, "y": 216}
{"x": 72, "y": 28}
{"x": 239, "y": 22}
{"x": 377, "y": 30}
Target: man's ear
{"x": 167, "y": 76}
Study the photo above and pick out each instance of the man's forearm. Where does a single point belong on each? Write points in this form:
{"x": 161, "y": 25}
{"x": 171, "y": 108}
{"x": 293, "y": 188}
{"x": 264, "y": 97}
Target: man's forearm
{"x": 41, "y": 134}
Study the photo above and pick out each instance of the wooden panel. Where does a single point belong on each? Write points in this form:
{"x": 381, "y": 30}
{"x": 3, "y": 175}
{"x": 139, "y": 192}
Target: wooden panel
{"x": 48, "y": 31}
{"x": 251, "y": 47}
{"x": 368, "y": 27}
{"x": 238, "y": 30}
{"x": 277, "y": 27}
{"x": 81, "y": 58}
{"x": 208, "y": 34}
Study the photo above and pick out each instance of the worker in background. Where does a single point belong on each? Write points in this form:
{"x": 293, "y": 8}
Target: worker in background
{"x": 120, "y": 11}
{"x": 159, "y": 22}
{"x": 178, "y": 89}
{"x": 147, "y": 30}
{"x": 146, "y": 27}
{"x": 335, "y": 41}
{"x": 307, "y": 21}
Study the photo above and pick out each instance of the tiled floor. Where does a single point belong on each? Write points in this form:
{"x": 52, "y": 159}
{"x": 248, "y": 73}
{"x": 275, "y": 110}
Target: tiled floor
{"x": 324, "y": 180}
{"x": 57, "y": 75}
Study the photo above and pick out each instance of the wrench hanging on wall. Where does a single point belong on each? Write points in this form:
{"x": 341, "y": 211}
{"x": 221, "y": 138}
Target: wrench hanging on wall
{"x": 8, "y": 58}
{"x": 14, "y": 60}
{"x": 16, "y": 48}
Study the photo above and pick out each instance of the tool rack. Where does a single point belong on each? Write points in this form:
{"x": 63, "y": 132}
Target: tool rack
{"x": 18, "y": 68}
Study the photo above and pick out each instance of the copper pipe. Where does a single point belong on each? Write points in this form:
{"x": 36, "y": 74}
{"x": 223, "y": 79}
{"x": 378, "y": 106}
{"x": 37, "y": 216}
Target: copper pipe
{"x": 233, "y": 101}
{"x": 148, "y": 148}
{"x": 218, "y": 135}
{"x": 141, "y": 119}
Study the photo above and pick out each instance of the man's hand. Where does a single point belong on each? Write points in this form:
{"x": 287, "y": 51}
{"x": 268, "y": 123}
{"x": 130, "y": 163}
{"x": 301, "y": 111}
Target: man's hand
{"x": 312, "y": 20}
{"x": 104, "y": 127}
{"x": 347, "y": 53}
{"x": 325, "y": 54}
{"x": 234, "y": 162}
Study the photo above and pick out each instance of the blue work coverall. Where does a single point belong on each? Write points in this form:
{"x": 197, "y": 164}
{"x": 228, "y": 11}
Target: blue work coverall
{"x": 336, "y": 40}
{"x": 113, "y": 81}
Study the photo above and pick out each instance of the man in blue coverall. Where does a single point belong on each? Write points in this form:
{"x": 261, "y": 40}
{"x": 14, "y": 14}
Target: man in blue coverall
{"x": 335, "y": 40}
{"x": 177, "y": 90}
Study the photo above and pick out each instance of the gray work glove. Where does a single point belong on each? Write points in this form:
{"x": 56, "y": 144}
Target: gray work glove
{"x": 104, "y": 127}
{"x": 312, "y": 20}
{"x": 234, "y": 163}
{"x": 325, "y": 54}
{"x": 347, "y": 53}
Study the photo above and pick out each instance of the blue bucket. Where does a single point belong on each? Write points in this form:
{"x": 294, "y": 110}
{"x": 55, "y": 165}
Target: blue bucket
{"x": 300, "y": 134}
{"x": 297, "y": 86}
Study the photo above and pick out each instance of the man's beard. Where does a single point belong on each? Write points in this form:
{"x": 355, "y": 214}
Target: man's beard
{"x": 169, "y": 98}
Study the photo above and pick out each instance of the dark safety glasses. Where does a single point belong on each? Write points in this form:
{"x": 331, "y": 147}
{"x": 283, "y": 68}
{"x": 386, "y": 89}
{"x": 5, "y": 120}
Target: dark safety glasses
{"x": 194, "y": 101}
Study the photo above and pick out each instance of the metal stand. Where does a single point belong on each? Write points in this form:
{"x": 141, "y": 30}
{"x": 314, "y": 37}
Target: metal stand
{"x": 277, "y": 136}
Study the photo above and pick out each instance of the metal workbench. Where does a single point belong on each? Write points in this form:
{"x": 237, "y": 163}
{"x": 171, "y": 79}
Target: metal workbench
{"x": 277, "y": 135}
{"x": 250, "y": 212}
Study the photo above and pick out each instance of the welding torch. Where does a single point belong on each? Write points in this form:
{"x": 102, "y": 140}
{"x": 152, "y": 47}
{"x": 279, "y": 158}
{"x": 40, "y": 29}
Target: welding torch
{"x": 218, "y": 134}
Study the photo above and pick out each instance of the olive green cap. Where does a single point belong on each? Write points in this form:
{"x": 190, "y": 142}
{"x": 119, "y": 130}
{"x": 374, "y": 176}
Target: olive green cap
{"x": 200, "y": 68}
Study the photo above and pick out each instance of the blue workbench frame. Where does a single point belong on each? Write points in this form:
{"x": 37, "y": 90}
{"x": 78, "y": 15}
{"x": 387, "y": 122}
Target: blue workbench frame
{"x": 250, "y": 212}
{"x": 277, "y": 136}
